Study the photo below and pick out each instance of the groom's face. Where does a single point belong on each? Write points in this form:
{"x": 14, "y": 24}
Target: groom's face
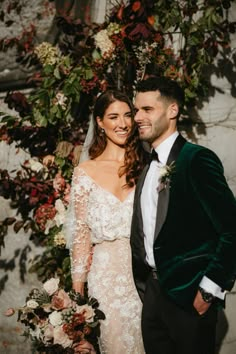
{"x": 154, "y": 117}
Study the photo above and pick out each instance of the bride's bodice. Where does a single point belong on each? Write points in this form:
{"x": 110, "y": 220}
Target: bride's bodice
{"x": 107, "y": 217}
{"x": 94, "y": 215}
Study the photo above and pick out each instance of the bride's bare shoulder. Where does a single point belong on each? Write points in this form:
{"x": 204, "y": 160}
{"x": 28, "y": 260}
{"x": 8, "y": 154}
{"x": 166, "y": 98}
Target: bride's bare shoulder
{"x": 87, "y": 166}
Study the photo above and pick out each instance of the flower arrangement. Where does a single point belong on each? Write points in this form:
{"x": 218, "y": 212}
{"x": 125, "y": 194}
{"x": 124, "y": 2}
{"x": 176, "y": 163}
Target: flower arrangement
{"x": 165, "y": 174}
{"x": 56, "y": 320}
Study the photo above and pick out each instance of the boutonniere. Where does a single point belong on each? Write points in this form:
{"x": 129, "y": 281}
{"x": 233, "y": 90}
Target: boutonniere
{"x": 165, "y": 176}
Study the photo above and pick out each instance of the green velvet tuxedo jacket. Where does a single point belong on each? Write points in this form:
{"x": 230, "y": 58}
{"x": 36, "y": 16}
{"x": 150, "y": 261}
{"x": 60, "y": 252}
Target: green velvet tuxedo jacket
{"x": 195, "y": 231}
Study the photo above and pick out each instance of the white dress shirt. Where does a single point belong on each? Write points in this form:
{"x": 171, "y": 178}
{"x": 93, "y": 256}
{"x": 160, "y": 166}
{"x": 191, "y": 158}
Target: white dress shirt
{"x": 149, "y": 201}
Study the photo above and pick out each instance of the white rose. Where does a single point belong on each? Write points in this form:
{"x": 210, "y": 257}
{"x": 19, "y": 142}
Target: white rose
{"x": 35, "y": 165}
{"x": 51, "y": 285}
{"x": 60, "y": 337}
{"x": 55, "y": 318}
{"x": 32, "y": 304}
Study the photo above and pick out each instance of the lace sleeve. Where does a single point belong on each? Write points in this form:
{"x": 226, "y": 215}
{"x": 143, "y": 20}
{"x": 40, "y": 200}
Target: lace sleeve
{"x": 75, "y": 229}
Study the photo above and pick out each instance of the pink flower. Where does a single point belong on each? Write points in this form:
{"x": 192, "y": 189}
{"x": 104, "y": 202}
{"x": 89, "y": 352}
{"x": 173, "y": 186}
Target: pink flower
{"x": 87, "y": 311}
{"x": 61, "y": 300}
{"x": 59, "y": 182}
{"x": 48, "y": 333}
{"x": 60, "y": 337}
{"x": 9, "y": 312}
{"x": 67, "y": 193}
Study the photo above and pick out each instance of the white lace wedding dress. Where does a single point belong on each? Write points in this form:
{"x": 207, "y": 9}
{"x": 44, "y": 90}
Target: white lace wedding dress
{"x": 97, "y": 217}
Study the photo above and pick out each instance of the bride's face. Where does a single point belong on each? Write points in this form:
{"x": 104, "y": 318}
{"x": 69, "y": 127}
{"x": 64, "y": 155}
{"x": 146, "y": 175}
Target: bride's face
{"x": 117, "y": 122}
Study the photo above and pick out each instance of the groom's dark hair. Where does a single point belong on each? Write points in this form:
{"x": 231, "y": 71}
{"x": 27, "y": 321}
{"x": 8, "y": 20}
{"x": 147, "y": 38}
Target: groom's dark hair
{"x": 168, "y": 89}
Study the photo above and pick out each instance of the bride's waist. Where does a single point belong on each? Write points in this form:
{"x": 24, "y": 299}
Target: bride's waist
{"x": 98, "y": 240}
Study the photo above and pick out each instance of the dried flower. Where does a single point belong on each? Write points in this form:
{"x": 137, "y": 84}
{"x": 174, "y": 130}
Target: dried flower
{"x": 59, "y": 239}
{"x": 165, "y": 175}
{"x": 47, "y": 54}
{"x": 104, "y": 43}
{"x": 60, "y": 100}
{"x": 64, "y": 149}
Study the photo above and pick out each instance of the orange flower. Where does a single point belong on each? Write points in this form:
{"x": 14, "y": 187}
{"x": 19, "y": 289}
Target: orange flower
{"x": 136, "y": 6}
{"x": 151, "y": 20}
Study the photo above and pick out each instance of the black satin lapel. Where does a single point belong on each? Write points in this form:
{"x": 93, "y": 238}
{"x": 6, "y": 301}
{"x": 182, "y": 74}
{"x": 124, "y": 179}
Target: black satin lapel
{"x": 163, "y": 198}
{"x": 176, "y": 148}
{"x": 137, "y": 199}
{"x": 163, "y": 201}
{"x": 141, "y": 181}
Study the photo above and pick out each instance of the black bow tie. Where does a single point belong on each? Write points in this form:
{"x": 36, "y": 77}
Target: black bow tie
{"x": 153, "y": 156}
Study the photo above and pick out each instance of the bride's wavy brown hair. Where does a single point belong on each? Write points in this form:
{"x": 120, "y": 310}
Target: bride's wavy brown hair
{"x": 134, "y": 159}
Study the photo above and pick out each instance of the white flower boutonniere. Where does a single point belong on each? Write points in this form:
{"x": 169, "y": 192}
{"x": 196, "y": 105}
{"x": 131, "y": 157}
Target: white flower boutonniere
{"x": 164, "y": 176}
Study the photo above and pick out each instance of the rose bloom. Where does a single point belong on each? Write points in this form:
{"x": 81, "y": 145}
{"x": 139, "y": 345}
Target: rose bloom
{"x": 48, "y": 333}
{"x": 59, "y": 182}
{"x": 32, "y": 304}
{"x": 61, "y": 338}
{"x": 87, "y": 311}
{"x": 55, "y": 318}
{"x": 66, "y": 198}
{"x": 51, "y": 285}
{"x": 61, "y": 300}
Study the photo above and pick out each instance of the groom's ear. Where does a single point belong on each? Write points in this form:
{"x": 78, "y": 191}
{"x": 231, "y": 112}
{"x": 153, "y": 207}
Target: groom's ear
{"x": 173, "y": 110}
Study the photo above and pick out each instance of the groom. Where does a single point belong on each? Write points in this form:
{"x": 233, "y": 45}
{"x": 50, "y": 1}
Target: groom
{"x": 183, "y": 235}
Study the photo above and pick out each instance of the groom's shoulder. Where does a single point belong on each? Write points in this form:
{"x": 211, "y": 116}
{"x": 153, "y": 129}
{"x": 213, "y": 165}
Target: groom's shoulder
{"x": 192, "y": 150}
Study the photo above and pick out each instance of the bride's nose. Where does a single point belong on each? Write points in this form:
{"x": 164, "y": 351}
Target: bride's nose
{"x": 122, "y": 123}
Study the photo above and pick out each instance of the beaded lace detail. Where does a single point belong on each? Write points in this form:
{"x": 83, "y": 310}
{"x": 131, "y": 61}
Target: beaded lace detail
{"x": 96, "y": 217}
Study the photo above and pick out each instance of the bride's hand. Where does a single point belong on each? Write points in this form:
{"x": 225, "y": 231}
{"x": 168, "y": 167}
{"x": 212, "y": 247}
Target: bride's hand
{"x": 84, "y": 347}
{"x": 78, "y": 286}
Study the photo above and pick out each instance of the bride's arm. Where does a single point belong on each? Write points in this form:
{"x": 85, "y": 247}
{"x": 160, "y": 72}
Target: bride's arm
{"x": 78, "y": 230}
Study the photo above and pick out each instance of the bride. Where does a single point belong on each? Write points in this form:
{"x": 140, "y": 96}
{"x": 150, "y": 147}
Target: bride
{"x": 99, "y": 220}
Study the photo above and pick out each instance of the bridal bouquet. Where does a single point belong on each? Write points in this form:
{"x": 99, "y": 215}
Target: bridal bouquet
{"x": 56, "y": 319}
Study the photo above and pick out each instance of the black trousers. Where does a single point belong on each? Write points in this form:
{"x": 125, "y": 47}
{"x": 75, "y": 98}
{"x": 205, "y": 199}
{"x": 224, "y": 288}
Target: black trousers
{"x": 168, "y": 329}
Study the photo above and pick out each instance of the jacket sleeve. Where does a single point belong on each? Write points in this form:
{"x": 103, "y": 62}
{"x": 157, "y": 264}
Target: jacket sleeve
{"x": 218, "y": 202}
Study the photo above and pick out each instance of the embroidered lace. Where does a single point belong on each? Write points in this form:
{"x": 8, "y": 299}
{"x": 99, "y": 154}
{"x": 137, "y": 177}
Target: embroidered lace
{"x": 96, "y": 217}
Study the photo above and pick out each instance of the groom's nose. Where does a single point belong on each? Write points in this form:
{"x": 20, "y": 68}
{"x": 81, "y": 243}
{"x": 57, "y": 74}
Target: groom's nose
{"x": 138, "y": 115}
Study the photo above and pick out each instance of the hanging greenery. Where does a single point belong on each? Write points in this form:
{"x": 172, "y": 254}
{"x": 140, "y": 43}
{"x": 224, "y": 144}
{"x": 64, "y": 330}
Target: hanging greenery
{"x": 184, "y": 40}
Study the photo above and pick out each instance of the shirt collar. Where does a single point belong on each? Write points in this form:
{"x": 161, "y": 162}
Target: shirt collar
{"x": 164, "y": 148}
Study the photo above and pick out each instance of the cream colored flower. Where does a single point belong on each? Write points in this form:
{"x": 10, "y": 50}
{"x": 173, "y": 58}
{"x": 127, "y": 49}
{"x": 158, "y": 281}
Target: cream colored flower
{"x": 32, "y": 304}
{"x": 51, "y": 285}
{"x": 104, "y": 43}
{"x": 113, "y": 28}
{"x": 47, "y": 54}
{"x": 55, "y": 318}
{"x": 35, "y": 165}
{"x": 61, "y": 100}
{"x": 60, "y": 216}
{"x": 59, "y": 239}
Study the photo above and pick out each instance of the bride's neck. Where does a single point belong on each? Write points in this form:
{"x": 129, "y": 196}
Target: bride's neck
{"x": 113, "y": 153}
